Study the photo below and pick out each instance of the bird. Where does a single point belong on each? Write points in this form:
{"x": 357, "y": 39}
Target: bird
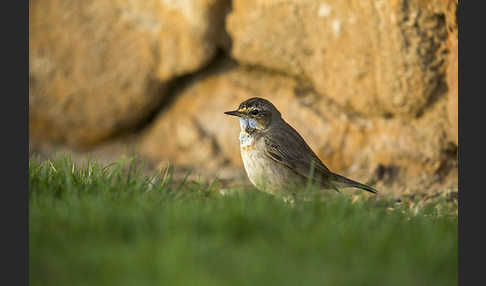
{"x": 276, "y": 158}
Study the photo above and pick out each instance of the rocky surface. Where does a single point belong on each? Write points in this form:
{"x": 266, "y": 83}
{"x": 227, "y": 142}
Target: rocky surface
{"x": 100, "y": 67}
{"x": 370, "y": 85}
{"x": 450, "y": 8}
{"x": 452, "y": 81}
{"x": 373, "y": 57}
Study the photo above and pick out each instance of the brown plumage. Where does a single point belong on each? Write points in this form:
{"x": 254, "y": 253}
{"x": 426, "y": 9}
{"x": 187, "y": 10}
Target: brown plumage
{"x": 276, "y": 157}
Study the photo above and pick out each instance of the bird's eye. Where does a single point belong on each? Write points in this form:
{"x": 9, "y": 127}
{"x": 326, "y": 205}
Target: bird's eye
{"x": 254, "y": 112}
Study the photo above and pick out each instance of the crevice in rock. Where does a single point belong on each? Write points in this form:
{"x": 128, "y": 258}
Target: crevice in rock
{"x": 172, "y": 89}
{"x": 217, "y": 32}
{"x": 434, "y": 60}
{"x": 387, "y": 174}
{"x": 440, "y": 91}
{"x": 449, "y": 161}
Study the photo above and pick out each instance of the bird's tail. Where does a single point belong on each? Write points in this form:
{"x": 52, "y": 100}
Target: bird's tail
{"x": 342, "y": 181}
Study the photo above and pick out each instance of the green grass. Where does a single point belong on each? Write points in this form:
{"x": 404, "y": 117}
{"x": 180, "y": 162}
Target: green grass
{"x": 95, "y": 225}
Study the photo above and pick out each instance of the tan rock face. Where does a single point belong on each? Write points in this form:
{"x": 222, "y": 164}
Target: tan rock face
{"x": 372, "y": 57}
{"x": 194, "y": 131}
{"x": 99, "y": 67}
{"x": 452, "y": 81}
{"x": 450, "y": 8}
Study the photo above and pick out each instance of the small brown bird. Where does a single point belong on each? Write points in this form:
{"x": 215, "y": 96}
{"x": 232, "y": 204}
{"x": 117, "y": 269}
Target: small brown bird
{"x": 277, "y": 160}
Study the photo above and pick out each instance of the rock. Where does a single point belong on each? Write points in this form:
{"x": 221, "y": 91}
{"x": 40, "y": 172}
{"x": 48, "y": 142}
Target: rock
{"x": 195, "y": 132}
{"x": 374, "y": 58}
{"x": 450, "y": 8}
{"x": 452, "y": 80}
{"x": 100, "y": 67}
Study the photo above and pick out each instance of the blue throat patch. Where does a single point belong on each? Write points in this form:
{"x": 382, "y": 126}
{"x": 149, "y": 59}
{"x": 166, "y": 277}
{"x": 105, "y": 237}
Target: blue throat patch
{"x": 248, "y": 123}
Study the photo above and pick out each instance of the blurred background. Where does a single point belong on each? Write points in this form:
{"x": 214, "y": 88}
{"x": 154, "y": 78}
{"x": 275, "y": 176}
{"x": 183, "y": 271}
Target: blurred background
{"x": 370, "y": 85}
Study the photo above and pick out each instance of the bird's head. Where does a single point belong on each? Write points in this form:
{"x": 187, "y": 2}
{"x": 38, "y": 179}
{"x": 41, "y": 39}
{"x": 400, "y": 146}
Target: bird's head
{"x": 256, "y": 114}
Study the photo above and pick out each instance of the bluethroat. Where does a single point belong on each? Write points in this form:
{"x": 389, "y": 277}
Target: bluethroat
{"x": 276, "y": 158}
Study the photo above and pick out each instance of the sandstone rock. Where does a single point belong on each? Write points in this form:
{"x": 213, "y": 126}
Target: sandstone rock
{"x": 99, "y": 67}
{"x": 450, "y": 10}
{"x": 452, "y": 81}
{"x": 195, "y": 132}
{"x": 373, "y": 57}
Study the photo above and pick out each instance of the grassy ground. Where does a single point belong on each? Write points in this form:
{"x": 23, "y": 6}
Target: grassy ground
{"x": 110, "y": 225}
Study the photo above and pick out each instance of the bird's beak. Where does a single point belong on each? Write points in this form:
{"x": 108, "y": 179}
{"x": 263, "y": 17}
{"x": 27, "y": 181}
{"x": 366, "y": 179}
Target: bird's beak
{"x": 234, "y": 113}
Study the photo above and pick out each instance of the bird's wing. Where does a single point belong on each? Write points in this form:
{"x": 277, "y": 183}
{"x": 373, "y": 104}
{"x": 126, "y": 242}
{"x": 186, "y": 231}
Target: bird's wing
{"x": 286, "y": 146}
